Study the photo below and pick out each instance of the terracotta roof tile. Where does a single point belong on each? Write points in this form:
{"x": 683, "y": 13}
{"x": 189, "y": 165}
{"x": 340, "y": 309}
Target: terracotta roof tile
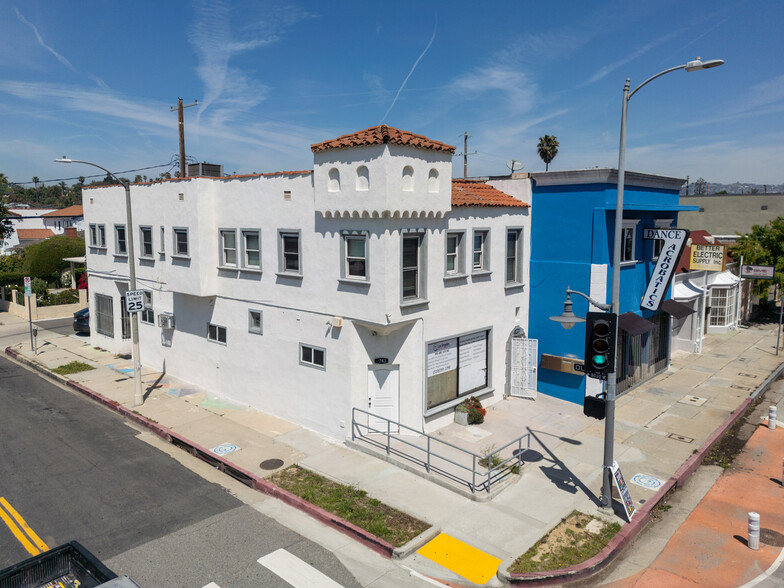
{"x": 477, "y": 193}
{"x": 70, "y": 212}
{"x": 382, "y": 134}
{"x": 34, "y": 233}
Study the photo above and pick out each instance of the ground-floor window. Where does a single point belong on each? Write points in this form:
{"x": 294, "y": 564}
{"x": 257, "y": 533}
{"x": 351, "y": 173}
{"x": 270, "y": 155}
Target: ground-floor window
{"x": 456, "y": 367}
{"x": 216, "y": 333}
{"x": 312, "y": 356}
{"x": 640, "y": 357}
{"x": 723, "y": 307}
{"x": 104, "y": 318}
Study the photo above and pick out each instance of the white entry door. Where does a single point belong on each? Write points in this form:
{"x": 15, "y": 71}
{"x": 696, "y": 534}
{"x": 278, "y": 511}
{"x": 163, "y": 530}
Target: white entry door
{"x": 383, "y": 398}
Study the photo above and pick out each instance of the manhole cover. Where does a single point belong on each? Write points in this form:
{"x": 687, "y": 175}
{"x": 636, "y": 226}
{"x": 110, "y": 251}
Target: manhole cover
{"x": 680, "y": 437}
{"x": 528, "y": 455}
{"x": 771, "y": 537}
{"x": 271, "y": 464}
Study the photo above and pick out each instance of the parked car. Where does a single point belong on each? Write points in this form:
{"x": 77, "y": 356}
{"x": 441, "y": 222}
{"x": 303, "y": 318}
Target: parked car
{"x": 81, "y": 322}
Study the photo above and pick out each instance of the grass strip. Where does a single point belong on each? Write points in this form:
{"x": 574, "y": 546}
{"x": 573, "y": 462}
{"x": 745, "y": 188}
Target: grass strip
{"x": 72, "y": 368}
{"x": 352, "y": 504}
{"x": 571, "y": 542}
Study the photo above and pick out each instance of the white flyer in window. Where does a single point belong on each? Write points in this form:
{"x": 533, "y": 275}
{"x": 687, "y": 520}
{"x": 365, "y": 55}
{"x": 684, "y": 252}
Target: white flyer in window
{"x": 441, "y": 357}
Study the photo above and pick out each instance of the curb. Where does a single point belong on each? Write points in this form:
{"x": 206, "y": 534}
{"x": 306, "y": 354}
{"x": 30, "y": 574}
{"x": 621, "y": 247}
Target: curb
{"x": 629, "y": 531}
{"x": 250, "y": 479}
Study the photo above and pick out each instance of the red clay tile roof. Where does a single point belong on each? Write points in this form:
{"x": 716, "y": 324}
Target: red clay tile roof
{"x": 477, "y": 193}
{"x": 70, "y": 212}
{"x": 698, "y": 237}
{"x": 382, "y": 134}
{"x": 24, "y": 234}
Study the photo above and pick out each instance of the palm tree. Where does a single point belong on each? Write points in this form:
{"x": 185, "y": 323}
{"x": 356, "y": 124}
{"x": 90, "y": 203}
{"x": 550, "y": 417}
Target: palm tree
{"x": 547, "y": 149}
{"x": 35, "y": 181}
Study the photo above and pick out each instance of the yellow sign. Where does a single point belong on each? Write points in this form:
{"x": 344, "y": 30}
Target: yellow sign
{"x": 707, "y": 257}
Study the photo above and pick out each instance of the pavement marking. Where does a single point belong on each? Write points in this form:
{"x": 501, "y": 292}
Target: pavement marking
{"x": 21, "y": 530}
{"x": 647, "y": 481}
{"x": 422, "y": 577}
{"x": 295, "y": 571}
{"x": 463, "y": 559}
{"x": 224, "y": 448}
{"x": 767, "y": 573}
{"x": 211, "y": 585}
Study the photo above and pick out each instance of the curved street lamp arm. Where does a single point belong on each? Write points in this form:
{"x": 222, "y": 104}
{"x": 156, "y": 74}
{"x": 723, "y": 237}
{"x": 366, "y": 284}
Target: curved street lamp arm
{"x": 600, "y": 305}
{"x": 66, "y": 160}
{"x": 650, "y": 79}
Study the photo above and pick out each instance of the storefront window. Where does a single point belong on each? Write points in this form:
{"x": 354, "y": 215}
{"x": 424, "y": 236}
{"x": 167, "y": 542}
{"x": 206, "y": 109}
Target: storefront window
{"x": 456, "y": 367}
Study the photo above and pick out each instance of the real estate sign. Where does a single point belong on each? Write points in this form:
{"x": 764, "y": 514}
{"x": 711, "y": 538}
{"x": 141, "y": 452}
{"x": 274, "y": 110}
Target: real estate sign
{"x": 707, "y": 257}
{"x": 759, "y": 272}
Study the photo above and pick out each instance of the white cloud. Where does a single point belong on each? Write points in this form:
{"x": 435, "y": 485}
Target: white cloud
{"x": 41, "y": 42}
{"x": 514, "y": 88}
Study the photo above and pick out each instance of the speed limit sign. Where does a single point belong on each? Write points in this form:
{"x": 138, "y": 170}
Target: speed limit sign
{"x": 134, "y": 301}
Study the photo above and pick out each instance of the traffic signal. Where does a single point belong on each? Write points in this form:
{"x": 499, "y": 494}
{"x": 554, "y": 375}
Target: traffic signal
{"x": 600, "y": 329}
{"x": 595, "y": 407}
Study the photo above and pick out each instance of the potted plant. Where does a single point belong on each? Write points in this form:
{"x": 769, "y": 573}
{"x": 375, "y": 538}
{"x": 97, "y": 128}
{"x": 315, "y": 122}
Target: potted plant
{"x": 470, "y": 412}
{"x": 461, "y": 414}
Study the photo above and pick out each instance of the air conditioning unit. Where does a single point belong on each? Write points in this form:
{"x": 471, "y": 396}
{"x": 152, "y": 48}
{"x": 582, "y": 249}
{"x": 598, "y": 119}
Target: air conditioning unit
{"x": 210, "y": 170}
{"x": 166, "y": 320}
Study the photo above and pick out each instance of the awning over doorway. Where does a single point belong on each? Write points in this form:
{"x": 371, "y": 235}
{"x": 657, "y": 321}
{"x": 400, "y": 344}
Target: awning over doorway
{"x": 677, "y": 309}
{"x": 634, "y": 324}
{"x": 686, "y": 290}
{"x": 725, "y": 278}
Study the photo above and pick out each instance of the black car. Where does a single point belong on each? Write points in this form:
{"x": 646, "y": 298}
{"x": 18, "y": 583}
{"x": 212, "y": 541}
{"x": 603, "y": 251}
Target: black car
{"x": 81, "y": 322}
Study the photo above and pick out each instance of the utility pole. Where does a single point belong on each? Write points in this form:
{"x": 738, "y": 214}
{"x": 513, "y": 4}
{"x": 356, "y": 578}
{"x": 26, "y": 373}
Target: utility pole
{"x": 182, "y": 132}
{"x": 465, "y": 154}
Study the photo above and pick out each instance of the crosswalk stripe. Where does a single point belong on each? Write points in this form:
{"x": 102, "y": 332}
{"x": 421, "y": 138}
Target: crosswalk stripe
{"x": 295, "y": 571}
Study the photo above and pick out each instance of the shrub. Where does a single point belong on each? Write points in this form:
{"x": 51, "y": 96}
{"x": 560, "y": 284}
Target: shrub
{"x": 472, "y": 405}
{"x": 38, "y": 287}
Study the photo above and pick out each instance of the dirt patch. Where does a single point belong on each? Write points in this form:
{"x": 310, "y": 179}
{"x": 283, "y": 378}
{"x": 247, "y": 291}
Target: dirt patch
{"x": 577, "y": 538}
{"x": 727, "y": 448}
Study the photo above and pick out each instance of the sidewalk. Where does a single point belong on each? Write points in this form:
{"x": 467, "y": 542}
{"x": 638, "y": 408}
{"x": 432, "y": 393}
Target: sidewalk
{"x": 660, "y": 425}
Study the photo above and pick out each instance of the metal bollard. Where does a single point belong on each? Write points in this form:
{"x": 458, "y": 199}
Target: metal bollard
{"x": 754, "y": 530}
{"x": 772, "y": 418}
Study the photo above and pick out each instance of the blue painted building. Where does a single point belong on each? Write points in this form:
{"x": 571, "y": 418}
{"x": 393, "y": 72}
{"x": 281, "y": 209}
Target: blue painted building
{"x": 572, "y": 230}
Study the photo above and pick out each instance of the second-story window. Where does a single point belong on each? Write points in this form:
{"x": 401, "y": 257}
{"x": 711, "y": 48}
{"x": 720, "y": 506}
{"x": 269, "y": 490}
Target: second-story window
{"x": 251, "y": 249}
{"x": 120, "y": 241}
{"x": 455, "y": 264}
{"x": 145, "y": 234}
{"x": 180, "y": 241}
{"x": 412, "y": 261}
{"x": 290, "y": 261}
{"x": 481, "y": 255}
{"x": 355, "y": 258}
{"x": 514, "y": 254}
{"x": 98, "y": 236}
{"x": 228, "y": 250}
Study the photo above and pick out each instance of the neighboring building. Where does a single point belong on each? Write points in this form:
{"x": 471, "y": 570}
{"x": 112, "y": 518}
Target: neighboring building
{"x": 25, "y": 219}
{"x": 572, "y": 232}
{"x": 725, "y": 216}
{"x": 64, "y": 218}
{"x": 27, "y": 237}
{"x": 374, "y": 282}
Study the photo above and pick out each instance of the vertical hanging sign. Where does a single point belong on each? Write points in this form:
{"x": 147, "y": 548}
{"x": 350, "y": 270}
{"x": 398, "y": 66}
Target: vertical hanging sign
{"x": 674, "y": 242}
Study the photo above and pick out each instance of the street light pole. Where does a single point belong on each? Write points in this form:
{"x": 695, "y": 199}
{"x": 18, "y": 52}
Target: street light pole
{"x": 138, "y": 398}
{"x": 609, "y": 423}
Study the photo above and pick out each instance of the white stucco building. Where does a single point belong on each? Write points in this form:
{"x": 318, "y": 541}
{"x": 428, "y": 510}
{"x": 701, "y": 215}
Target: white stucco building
{"x": 373, "y": 282}
{"x": 32, "y": 225}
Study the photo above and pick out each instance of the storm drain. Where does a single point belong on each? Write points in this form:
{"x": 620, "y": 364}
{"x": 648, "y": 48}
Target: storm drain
{"x": 740, "y": 387}
{"x": 771, "y": 537}
{"x": 745, "y": 375}
{"x": 693, "y": 400}
{"x": 680, "y": 437}
{"x": 271, "y": 464}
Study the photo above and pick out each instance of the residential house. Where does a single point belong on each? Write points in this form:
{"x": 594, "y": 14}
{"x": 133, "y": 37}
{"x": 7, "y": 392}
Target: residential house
{"x": 372, "y": 283}
{"x": 25, "y": 219}
{"x": 65, "y": 218}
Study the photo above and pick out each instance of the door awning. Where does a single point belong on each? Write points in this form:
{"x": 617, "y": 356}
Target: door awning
{"x": 686, "y": 290}
{"x": 677, "y": 309}
{"x": 634, "y": 324}
{"x": 725, "y": 278}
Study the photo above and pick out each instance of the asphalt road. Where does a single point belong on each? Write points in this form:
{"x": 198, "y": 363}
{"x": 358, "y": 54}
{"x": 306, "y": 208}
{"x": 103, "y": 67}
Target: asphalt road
{"x": 73, "y": 470}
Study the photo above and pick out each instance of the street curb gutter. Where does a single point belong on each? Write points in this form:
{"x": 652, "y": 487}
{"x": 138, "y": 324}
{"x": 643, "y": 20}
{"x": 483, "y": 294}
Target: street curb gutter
{"x": 248, "y": 478}
{"x": 642, "y": 516}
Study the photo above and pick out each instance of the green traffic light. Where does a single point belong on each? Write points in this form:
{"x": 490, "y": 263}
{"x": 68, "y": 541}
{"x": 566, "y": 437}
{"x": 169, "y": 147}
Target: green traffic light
{"x": 599, "y": 360}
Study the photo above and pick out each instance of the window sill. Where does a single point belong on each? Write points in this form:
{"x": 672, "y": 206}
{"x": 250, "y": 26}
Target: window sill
{"x": 460, "y": 276}
{"x": 99, "y": 247}
{"x": 121, "y": 255}
{"x": 416, "y": 302}
{"x": 230, "y": 268}
{"x": 513, "y": 285}
{"x": 630, "y": 262}
{"x": 146, "y": 258}
{"x": 481, "y": 273}
{"x": 289, "y": 275}
{"x": 179, "y": 256}
{"x": 453, "y": 403}
{"x": 354, "y": 282}
{"x": 250, "y": 270}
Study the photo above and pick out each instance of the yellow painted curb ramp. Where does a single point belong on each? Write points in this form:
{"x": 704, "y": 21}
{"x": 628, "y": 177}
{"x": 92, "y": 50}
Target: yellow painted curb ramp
{"x": 469, "y": 562}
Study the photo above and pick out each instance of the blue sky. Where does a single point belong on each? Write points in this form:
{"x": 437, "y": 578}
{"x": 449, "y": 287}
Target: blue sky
{"x": 95, "y": 80}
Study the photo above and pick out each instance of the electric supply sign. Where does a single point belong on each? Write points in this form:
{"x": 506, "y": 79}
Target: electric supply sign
{"x": 707, "y": 257}
{"x": 674, "y": 242}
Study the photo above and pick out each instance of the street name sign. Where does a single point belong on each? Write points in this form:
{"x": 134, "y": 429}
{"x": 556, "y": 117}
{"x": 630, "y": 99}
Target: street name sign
{"x": 757, "y": 272}
{"x": 134, "y": 301}
{"x": 674, "y": 242}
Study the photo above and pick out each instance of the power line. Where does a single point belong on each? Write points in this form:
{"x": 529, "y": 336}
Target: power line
{"x": 171, "y": 164}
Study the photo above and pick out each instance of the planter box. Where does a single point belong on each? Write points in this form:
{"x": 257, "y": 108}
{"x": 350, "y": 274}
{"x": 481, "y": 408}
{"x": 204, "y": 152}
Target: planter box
{"x": 461, "y": 418}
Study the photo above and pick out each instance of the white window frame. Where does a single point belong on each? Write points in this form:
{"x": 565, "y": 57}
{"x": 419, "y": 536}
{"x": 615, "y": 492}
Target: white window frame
{"x": 420, "y": 296}
{"x": 344, "y": 256}
{"x": 224, "y": 250}
{"x": 244, "y": 244}
{"x": 629, "y": 225}
{"x": 658, "y": 244}
{"x": 252, "y": 326}
{"x": 305, "y": 349}
{"x": 283, "y": 234}
{"x": 483, "y": 266}
{"x": 147, "y": 315}
{"x": 176, "y": 252}
{"x": 163, "y": 241}
{"x": 458, "y": 269}
{"x": 517, "y": 278}
{"x": 147, "y": 250}
{"x": 214, "y": 333}
{"x": 120, "y": 245}
{"x": 98, "y": 236}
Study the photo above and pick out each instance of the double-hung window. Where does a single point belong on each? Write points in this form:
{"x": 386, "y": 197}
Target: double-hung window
{"x": 412, "y": 267}
{"x": 216, "y": 333}
{"x": 289, "y": 256}
{"x": 514, "y": 254}
{"x": 628, "y": 239}
{"x": 147, "y": 314}
{"x": 228, "y": 248}
{"x": 251, "y": 248}
{"x": 98, "y": 236}
{"x": 145, "y": 235}
{"x": 454, "y": 255}
{"x": 355, "y": 257}
{"x": 120, "y": 240}
{"x": 481, "y": 251}
{"x": 180, "y": 241}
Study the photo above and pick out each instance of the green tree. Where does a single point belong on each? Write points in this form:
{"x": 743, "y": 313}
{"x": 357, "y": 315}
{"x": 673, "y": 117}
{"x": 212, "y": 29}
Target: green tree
{"x": 547, "y": 149}
{"x": 45, "y": 259}
{"x": 764, "y": 245}
{"x": 35, "y": 181}
{"x": 11, "y": 267}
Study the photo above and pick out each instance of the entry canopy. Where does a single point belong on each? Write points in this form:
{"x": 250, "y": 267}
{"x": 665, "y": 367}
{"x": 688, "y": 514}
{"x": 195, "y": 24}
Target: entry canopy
{"x": 677, "y": 309}
{"x": 686, "y": 291}
{"x": 725, "y": 278}
{"x": 634, "y": 324}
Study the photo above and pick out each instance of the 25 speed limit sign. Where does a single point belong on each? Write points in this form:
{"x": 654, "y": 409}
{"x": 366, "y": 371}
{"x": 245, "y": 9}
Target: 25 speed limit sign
{"x": 134, "y": 301}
